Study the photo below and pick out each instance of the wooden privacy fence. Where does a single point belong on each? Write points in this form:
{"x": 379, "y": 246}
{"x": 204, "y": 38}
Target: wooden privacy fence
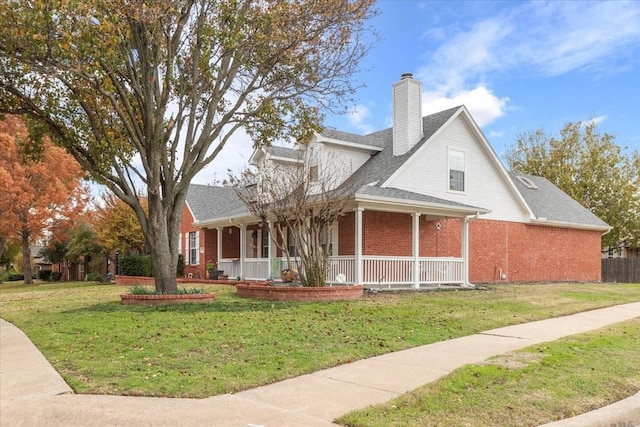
{"x": 622, "y": 270}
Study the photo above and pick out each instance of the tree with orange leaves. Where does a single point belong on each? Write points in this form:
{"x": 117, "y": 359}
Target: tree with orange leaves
{"x": 145, "y": 94}
{"x": 40, "y": 192}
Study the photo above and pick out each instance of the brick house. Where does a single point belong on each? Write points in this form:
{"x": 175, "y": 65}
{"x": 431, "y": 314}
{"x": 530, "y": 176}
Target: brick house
{"x": 430, "y": 203}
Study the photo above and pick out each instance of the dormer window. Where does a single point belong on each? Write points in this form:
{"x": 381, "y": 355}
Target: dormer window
{"x": 456, "y": 170}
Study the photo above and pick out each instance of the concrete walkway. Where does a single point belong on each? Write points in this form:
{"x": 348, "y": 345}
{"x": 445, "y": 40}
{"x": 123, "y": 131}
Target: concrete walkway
{"x": 32, "y": 393}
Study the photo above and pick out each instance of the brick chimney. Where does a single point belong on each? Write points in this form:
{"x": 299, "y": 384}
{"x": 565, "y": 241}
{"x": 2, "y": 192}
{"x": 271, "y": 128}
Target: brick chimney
{"x": 407, "y": 114}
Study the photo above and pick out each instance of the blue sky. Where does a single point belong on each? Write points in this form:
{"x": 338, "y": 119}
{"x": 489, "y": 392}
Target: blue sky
{"x": 517, "y": 66}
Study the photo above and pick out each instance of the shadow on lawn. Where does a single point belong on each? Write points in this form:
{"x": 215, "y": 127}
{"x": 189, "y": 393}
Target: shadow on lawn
{"x": 226, "y": 304}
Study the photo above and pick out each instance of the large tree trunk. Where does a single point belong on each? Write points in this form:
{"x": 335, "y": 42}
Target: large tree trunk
{"x": 26, "y": 257}
{"x": 163, "y": 228}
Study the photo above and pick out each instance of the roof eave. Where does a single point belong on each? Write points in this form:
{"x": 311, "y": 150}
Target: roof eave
{"x": 564, "y": 224}
{"x": 324, "y": 139}
{"x": 404, "y": 204}
{"x": 225, "y": 221}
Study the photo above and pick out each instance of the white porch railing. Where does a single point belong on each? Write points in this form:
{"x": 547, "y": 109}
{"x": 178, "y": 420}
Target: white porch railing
{"x": 376, "y": 270}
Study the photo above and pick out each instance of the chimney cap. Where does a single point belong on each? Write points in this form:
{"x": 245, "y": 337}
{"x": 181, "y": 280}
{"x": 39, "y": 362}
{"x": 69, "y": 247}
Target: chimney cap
{"x": 406, "y": 76}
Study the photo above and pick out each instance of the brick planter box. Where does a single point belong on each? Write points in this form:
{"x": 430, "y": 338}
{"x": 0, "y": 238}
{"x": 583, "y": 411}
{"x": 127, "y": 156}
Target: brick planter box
{"x": 130, "y": 299}
{"x": 299, "y": 293}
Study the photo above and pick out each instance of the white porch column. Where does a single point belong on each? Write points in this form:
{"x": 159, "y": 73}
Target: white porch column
{"x": 358, "y": 254}
{"x": 415, "y": 249}
{"x": 272, "y": 251}
{"x": 243, "y": 244}
{"x": 465, "y": 252}
{"x": 219, "y": 244}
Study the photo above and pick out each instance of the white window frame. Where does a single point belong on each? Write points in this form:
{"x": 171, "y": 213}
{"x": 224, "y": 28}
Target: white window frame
{"x": 194, "y": 248}
{"x": 455, "y": 163}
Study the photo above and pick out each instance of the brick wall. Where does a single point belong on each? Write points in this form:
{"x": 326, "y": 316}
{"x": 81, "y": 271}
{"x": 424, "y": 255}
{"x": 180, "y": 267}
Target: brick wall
{"x": 521, "y": 252}
{"x": 386, "y": 233}
{"x": 347, "y": 234}
{"x": 231, "y": 242}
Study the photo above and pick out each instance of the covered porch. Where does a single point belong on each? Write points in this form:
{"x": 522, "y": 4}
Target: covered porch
{"x": 383, "y": 272}
{"x": 381, "y": 245}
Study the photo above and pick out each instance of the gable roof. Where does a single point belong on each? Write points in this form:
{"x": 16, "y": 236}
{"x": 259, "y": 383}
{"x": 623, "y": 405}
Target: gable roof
{"x": 546, "y": 205}
{"x": 208, "y": 201}
{"x": 383, "y": 164}
{"x": 552, "y": 206}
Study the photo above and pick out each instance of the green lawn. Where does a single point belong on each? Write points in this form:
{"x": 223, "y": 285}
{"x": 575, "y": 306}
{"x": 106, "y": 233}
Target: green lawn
{"x": 198, "y": 350}
{"x": 530, "y": 387}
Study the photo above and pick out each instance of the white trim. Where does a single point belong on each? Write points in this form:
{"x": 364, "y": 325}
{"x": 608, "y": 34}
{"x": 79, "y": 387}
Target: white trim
{"x": 464, "y": 171}
{"x": 325, "y": 140}
{"x": 409, "y": 205}
{"x": 243, "y": 243}
{"x": 415, "y": 248}
{"x": 493, "y": 157}
{"x": 358, "y": 248}
{"x": 561, "y": 224}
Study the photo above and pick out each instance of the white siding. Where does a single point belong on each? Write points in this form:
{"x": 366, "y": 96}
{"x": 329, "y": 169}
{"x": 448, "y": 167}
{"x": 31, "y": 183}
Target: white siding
{"x": 407, "y": 115}
{"x": 427, "y": 173}
{"x": 341, "y": 162}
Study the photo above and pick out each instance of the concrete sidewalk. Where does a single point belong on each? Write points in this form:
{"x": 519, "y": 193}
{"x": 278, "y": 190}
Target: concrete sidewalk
{"x": 32, "y": 393}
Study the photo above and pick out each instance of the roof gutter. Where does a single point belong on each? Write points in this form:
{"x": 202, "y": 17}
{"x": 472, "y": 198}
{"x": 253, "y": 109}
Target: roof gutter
{"x": 237, "y": 220}
{"x": 425, "y": 205}
{"x": 541, "y": 221}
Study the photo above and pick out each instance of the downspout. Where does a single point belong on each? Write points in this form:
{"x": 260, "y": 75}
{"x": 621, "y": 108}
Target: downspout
{"x": 465, "y": 250}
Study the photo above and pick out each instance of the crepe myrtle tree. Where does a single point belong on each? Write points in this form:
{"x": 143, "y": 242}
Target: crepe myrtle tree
{"x": 299, "y": 204}
{"x": 145, "y": 94}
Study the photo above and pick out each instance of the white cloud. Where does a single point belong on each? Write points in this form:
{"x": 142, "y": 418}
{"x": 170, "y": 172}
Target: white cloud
{"x": 234, "y": 156}
{"x": 484, "y": 106}
{"x": 357, "y": 119}
{"x": 547, "y": 38}
{"x": 594, "y": 120}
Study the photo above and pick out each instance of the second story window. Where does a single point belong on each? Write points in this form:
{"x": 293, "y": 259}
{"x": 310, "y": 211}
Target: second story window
{"x": 456, "y": 170}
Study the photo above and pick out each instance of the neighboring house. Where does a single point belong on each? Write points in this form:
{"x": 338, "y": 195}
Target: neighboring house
{"x": 625, "y": 250}
{"x": 430, "y": 203}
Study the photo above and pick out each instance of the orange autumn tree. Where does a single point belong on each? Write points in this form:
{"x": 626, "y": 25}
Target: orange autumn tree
{"x": 145, "y": 94}
{"x": 117, "y": 228}
{"x": 40, "y": 191}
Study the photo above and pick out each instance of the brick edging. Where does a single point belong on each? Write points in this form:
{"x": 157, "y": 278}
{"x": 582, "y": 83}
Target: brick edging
{"x": 131, "y": 299}
{"x": 306, "y": 294}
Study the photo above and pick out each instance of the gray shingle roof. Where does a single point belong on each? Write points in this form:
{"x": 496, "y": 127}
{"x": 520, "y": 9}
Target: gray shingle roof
{"x": 395, "y": 193}
{"x": 208, "y": 202}
{"x": 383, "y": 164}
{"x": 286, "y": 152}
{"x": 373, "y": 139}
{"x": 548, "y": 201}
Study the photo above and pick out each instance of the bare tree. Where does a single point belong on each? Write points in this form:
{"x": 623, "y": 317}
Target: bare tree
{"x": 299, "y": 204}
{"x": 145, "y": 94}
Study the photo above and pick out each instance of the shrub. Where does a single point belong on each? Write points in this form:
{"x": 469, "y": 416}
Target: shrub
{"x": 136, "y": 265}
{"x": 180, "y": 269}
{"x": 14, "y": 277}
{"x": 56, "y": 276}
{"x": 95, "y": 277}
{"x": 142, "y": 290}
{"x": 44, "y": 275}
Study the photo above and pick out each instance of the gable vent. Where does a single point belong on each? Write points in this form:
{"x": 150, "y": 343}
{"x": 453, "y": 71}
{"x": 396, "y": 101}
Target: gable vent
{"x": 527, "y": 182}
